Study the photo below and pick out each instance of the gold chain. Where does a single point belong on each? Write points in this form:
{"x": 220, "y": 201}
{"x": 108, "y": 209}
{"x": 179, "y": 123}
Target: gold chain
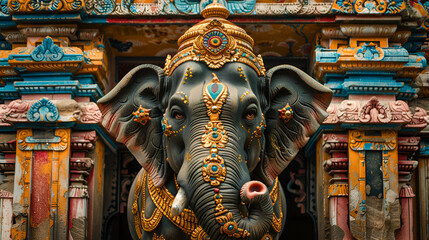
{"x": 187, "y": 221}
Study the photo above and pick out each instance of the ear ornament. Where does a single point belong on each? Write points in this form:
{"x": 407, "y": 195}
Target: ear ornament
{"x": 286, "y": 113}
{"x": 142, "y": 115}
{"x": 166, "y": 128}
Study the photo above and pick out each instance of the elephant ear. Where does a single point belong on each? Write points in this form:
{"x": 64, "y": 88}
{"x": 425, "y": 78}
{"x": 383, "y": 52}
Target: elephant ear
{"x": 140, "y": 87}
{"x": 308, "y": 100}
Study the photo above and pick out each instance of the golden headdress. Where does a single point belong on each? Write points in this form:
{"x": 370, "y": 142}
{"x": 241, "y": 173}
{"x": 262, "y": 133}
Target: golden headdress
{"x": 215, "y": 41}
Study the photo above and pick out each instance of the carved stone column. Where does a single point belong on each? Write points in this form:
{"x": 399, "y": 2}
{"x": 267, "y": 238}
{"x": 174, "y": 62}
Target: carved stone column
{"x": 337, "y": 166}
{"x": 7, "y": 171}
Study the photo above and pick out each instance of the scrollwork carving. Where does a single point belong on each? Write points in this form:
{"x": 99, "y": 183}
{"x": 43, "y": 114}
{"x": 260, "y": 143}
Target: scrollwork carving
{"x": 374, "y": 112}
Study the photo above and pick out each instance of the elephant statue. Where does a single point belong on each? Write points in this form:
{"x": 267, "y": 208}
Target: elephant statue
{"x": 212, "y": 131}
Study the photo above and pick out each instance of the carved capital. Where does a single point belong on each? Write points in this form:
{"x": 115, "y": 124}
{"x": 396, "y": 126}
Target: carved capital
{"x": 83, "y": 140}
{"x": 26, "y": 141}
{"x": 334, "y": 141}
{"x": 361, "y": 141}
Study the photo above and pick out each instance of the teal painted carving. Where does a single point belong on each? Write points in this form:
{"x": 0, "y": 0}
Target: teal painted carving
{"x": 195, "y": 7}
{"x": 47, "y": 51}
{"x": 3, "y": 8}
{"x": 369, "y": 51}
{"x": 43, "y": 111}
{"x": 368, "y": 6}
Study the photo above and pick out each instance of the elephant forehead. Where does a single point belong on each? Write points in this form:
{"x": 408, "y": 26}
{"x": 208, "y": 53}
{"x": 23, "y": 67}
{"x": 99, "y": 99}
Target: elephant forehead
{"x": 195, "y": 75}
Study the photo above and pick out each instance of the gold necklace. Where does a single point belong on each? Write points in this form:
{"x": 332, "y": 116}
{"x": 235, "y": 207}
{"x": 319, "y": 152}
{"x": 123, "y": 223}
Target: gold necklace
{"x": 186, "y": 221}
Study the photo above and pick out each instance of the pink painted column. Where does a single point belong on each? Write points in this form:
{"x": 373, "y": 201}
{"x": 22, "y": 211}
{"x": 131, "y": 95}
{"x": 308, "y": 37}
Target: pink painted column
{"x": 406, "y": 231}
{"x": 40, "y": 204}
{"x": 6, "y": 213}
{"x": 78, "y": 196}
{"x": 337, "y": 167}
{"x": 407, "y": 147}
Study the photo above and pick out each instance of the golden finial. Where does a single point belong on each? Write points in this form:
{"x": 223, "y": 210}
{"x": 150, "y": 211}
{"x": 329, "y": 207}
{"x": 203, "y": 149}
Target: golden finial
{"x": 215, "y": 10}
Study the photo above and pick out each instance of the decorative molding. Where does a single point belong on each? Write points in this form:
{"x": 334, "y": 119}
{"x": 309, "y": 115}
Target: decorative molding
{"x": 335, "y": 142}
{"x": 43, "y": 111}
{"x": 360, "y": 142}
{"x": 398, "y": 112}
{"x": 23, "y": 6}
{"x": 368, "y": 6}
{"x": 5, "y": 194}
{"x": 338, "y": 190}
{"x": 81, "y": 164}
{"x": 47, "y": 51}
{"x": 83, "y": 140}
{"x": 408, "y": 144}
{"x": 46, "y": 57}
{"x": 420, "y": 119}
{"x": 7, "y": 165}
{"x": 374, "y": 112}
{"x": 27, "y": 143}
{"x": 90, "y": 113}
{"x": 16, "y": 110}
{"x": 68, "y": 30}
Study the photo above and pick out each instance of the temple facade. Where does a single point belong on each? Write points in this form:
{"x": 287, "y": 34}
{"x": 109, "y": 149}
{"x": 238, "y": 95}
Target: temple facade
{"x": 363, "y": 175}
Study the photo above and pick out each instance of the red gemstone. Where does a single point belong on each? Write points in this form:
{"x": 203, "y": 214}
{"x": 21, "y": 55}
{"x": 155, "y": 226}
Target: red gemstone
{"x": 216, "y": 190}
{"x": 215, "y": 87}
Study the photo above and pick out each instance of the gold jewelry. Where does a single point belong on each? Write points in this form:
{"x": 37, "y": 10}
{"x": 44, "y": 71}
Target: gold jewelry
{"x": 215, "y": 41}
{"x": 163, "y": 200}
{"x": 142, "y": 115}
{"x": 286, "y": 113}
{"x": 166, "y": 127}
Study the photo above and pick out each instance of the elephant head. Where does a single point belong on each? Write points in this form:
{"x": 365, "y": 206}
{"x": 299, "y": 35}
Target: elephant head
{"x": 225, "y": 127}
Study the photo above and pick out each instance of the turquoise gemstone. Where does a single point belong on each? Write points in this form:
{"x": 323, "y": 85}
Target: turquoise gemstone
{"x": 215, "y": 135}
{"x": 213, "y": 154}
{"x": 215, "y": 129}
{"x": 230, "y": 227}
{"x": 214, "y": 168}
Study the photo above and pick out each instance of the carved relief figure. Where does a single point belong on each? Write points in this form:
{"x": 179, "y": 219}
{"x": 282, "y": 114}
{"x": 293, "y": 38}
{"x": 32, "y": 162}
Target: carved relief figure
{"x": 212, "y": 131}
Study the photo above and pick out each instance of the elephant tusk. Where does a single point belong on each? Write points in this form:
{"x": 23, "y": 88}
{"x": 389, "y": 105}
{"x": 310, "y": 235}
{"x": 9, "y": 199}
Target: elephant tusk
{"x": 179, "y": 203}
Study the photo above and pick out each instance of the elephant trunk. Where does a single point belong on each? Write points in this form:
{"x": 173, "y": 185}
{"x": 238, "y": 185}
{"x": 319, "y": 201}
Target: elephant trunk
{"x": 235, "y": 190}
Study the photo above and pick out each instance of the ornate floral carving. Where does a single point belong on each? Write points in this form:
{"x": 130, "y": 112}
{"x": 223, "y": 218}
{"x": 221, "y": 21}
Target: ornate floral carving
{"x": 368, "y": 6}
{"x": 44, "y": 5}
{"x": 98, "y": 7}
{"x": 375, "y": 112}
{"x": 47, "y": 51}
{"x": 91, "y": 113}
{"x": 43, "y": 111}
{"x": 369, "y": 51}
{"x": 332, "y": 117}
{"x": 420, "y": 119}
{"x": 17, "y": 110}
{"x": 348, "y": 111}
{"x": 400, "y": 112}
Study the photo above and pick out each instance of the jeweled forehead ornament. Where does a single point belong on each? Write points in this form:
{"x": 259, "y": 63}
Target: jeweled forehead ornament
{"x": 215, "y": 41}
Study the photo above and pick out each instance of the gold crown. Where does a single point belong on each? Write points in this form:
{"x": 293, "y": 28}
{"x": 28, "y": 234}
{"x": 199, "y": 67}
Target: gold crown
{"x": 215, "y": 41}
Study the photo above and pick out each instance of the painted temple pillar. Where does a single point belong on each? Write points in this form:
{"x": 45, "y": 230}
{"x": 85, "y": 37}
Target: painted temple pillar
{"x": 52, "y": 75}
{"x": 370, "y": 68}
{"x": 337, "y": 167}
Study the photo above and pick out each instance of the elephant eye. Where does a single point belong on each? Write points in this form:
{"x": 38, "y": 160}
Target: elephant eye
{"x": 250, "y": 112}
{"x": 178, "y": 116}
{"x": 250, "y": 116}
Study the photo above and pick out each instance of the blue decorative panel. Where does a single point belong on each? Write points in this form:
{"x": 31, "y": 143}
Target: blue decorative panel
{"x": 47, "y": 51}
{"x": 43, "y": 111}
